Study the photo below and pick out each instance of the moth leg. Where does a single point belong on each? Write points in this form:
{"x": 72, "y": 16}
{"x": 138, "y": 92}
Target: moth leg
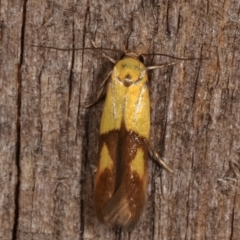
{"x": 161, "y": 66}
{"x": 157, "y": 158}
{"x": 104, "y": 54}
{"x": 101, "y": 91}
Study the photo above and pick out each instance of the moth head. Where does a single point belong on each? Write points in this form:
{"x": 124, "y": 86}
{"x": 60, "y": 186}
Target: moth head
{"x": 130, "y": 70}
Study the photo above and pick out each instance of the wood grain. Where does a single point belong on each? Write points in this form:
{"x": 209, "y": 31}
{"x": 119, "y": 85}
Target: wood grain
{"x": 48, "y": 139}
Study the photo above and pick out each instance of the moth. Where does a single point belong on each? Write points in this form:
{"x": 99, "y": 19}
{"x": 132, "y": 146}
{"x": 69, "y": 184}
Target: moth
{"x": 121, "y": 177}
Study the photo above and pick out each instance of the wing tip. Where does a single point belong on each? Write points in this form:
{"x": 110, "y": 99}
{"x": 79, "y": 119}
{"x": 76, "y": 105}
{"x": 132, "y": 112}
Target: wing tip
{"x": 121, "y": 213}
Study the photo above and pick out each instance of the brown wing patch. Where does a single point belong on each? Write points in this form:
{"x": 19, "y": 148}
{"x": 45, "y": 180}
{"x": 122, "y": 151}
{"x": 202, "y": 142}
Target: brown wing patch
{"x": 120, "y": 191}
{"x": 124, "y": 198}
{"x": 103, "y": 191}
{"x": 124, "y": 208}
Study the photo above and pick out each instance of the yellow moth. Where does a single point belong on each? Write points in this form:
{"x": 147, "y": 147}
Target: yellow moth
{"x": 121, "y": 178}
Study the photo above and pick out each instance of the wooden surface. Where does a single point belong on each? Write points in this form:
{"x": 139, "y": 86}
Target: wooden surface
{"x": 49, "y": 140}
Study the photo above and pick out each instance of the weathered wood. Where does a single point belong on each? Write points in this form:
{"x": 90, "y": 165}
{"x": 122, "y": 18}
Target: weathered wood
{"x": 48, "y": 139}
{"x": 10, "y": 59}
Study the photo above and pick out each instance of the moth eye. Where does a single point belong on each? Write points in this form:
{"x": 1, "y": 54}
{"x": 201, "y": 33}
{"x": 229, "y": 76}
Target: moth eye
{"x": 141, "y": 58}
{"x": 123, "y": 56}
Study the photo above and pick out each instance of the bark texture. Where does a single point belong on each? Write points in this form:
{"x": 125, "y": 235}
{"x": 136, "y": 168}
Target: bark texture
{"x": 49, "y": 140}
